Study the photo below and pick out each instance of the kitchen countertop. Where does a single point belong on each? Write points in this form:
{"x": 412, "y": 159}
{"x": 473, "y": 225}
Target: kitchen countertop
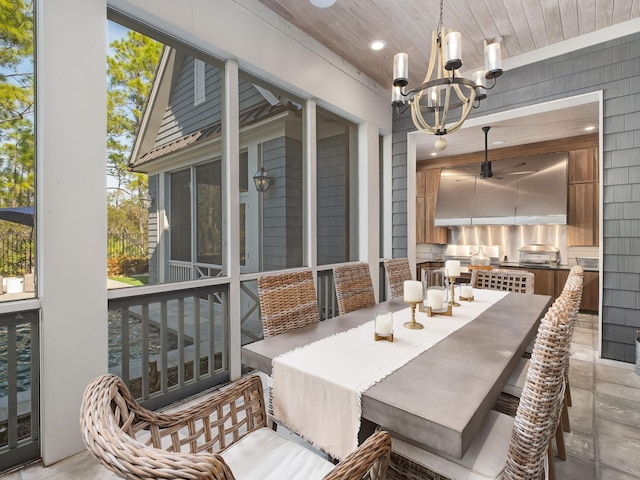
{"x": 562, "y": 266}
{"x": 542, "y": 266}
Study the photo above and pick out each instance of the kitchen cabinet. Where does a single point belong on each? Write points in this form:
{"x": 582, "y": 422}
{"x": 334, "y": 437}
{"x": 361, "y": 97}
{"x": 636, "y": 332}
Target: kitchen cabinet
{"x": 551, "y": 282}
{"x": 582, "y": 221}
{"x": 590, "y": 292}
{"x": 582, "y": 165}
{"x": 583, "y": 189}
{"x": 427, "y": 185}
{"x": 544, "y": 281}
{"x": 422, "y": 265}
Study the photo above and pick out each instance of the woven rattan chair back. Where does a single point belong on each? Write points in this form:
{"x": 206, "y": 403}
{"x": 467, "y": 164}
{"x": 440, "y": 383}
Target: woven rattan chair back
{"x": 397, "y": 270}
{"x": 537, "y": 415}
{"x": 287, "y": 301}
{"x": 136, "y": 443}
{"x": 518, "y": 281}
{"x": 354, "y": 289}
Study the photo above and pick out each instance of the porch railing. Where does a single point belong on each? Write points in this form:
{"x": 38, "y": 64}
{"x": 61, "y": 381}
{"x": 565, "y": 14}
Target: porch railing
{"x": 170, "y": 345}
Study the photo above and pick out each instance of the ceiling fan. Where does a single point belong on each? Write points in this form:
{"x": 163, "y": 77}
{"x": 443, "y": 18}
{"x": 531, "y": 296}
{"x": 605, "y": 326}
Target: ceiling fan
{"x": 485, "y": 167}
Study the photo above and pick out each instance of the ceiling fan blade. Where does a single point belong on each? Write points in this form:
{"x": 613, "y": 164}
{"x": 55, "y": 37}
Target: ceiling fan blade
{"x": 512, "y": 170}
{"x": 464, "y": 178}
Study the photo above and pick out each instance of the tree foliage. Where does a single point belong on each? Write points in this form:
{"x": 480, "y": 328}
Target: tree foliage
{"x": 17, "y": 166}
{"x": 131, "y": 69}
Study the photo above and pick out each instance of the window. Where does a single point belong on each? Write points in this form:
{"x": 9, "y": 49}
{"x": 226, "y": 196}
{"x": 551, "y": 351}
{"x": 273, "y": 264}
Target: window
{"x": 272, "y": 222}
{"x": 180, "y": 220}
{"x": 209, "y": 214}
{"x": 164, "y": 159}
{"x": 17, "y": 152}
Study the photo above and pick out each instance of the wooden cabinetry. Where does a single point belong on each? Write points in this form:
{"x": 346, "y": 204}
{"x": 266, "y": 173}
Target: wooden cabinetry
{"x": 545, "y": 284}
{"x": 422, "y": 265}
{"x": 583, "y": 188}
{"x": 590, "y": 292}
{"x": 427, "y": 184}
{"x": 551, "y": 282}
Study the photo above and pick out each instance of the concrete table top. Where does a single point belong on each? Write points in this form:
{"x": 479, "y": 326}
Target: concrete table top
{"x": 440, "y": 399}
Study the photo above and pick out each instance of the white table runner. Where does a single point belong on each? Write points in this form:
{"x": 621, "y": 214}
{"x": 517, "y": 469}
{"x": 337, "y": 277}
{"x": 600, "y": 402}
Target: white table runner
{"x": 317, "y": 388}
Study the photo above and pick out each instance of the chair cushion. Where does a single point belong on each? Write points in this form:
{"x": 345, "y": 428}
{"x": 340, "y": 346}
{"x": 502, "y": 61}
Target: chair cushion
{"x": 515, "y": 384}
{"x": 485, "y": 458}
{"x": 265, "y": 455}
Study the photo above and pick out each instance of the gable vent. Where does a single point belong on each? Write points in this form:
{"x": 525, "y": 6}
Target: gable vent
{"x": 198, "y": 83}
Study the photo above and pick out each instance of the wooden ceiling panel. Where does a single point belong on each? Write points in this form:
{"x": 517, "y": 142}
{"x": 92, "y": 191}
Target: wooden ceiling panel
{"x": 348, "y": 26}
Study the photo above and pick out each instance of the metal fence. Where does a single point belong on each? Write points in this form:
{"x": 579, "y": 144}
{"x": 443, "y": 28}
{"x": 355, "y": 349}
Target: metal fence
{"x": 126, "y": 243}
{"x": 16, "y": 255}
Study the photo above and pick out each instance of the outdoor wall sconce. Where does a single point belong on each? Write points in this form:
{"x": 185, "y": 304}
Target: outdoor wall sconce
{"x": 262, "y": 180}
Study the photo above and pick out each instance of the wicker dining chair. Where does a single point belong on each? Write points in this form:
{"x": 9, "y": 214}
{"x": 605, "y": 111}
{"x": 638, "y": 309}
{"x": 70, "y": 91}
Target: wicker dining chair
{"x": 221, "y": 438}
{"x": 568, "y": 303}
{"x": 519, "y": 281}
{"x": 397, "y": 270}
{"x": 506, "y": 447}
{"x": 354, "y": 289}
{"x": 287, "y": 301}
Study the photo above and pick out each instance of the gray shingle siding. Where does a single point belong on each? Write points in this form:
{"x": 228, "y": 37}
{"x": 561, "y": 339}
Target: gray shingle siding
{"x": 614, "y": 68}
{"x": 182, "y": 117}
{"x": 282, "y": 212}
{"x": 332, "y": 188}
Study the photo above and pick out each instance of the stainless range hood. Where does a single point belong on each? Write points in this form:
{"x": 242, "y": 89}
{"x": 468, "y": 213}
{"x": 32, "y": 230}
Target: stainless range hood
{"x": 523, "y": 191}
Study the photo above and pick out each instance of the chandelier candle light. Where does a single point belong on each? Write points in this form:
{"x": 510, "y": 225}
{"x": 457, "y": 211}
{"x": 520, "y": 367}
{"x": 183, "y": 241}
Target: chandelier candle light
{"x": 444, "y": 92}
{"x": 413, "y": 296}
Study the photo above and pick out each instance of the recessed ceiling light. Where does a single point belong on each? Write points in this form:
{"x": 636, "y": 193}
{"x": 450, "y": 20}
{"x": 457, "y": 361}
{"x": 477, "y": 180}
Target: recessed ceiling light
{"x": 377, "y": 45}
{"x": 433, "y": 154}
{"x": 497, "y": 142}
{"x": 589, "y": 128}
{"x": 323, "y": 3}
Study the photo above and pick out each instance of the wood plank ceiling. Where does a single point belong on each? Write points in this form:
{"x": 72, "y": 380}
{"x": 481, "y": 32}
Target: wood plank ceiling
{"x": 348, "y": 26}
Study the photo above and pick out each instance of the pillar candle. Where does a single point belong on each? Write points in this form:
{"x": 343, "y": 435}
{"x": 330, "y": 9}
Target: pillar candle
{"x": 453, "y": 268}
{"x": 384, "y": 324}
{"x": 466, "y": 291}
{"x": 435, "y": 298}
{"x": 412, "y": 291}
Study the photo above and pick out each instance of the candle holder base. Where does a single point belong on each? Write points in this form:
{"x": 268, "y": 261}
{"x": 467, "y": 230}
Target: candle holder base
{"x": 413, "y": 325}
{"x": 388, "y": 338}
{"x": 431, "y": 312}
{"x": 466, "y": 299}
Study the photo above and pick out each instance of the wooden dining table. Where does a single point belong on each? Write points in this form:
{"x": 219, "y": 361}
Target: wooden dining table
{"x": 440, "y": 398}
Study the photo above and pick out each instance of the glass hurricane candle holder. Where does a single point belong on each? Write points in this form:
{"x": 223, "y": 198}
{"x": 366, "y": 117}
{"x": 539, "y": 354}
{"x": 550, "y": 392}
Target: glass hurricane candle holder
{"x": 466, "y": 293}
{"x": 383, "y": 327}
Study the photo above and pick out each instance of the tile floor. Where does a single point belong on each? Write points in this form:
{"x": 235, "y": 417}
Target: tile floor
{"x": 604, "y": 442}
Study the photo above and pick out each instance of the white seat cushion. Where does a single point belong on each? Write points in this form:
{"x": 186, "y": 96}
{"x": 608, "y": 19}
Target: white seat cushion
{"x": 485, "y": 458}
{"x": 515, "y": 384}
{"x": 265, "y": 455}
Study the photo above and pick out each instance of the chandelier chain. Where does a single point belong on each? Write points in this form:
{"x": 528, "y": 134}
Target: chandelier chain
{"x": 440, "y": 23}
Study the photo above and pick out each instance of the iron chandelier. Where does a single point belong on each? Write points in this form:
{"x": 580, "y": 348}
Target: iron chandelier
{"x": 445, "y": 96}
